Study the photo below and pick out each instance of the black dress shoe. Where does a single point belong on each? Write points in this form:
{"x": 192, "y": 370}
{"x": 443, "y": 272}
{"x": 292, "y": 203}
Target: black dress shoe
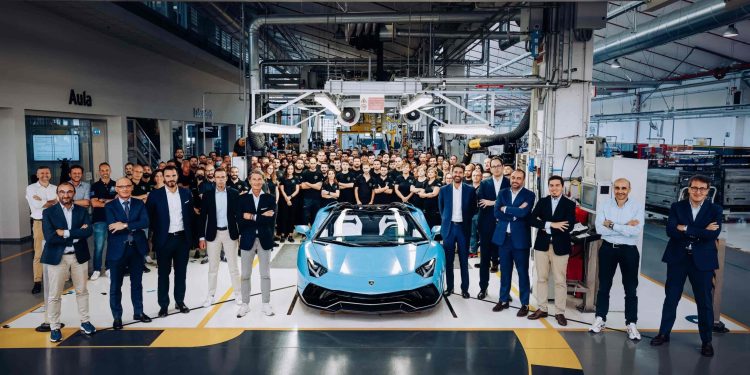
{"x": 659, "y": 340}
{"x": 465, "y": 295}
{"x": 142, "y": 318}
{"x": 163, "y": 312}
{"x": 117, "y": 324}
{"x": 500, "y": 306}
{"x": 44, "y": 327}
{"x": 707, "y": 350}
{"x": 37, "y": 288}
{"x": 561, "y": 320}
{"x": 448, "y": 292}
{"x": 146, "y": 270}
{"x": 477, "y": 265}
{"x": 183, "y": 309}
{"x": 523, "y": 311}
{"x": 482, "y": 294}
{"x": 493, "y": 269}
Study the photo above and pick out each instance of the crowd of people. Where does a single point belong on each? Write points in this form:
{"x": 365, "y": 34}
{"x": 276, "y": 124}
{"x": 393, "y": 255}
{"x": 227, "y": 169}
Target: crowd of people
{"x": 200, "y": 204}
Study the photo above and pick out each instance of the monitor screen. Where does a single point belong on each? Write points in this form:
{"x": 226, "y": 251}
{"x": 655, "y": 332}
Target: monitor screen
{"x": 588, "y": 196}
{"x": 56, "y": 147}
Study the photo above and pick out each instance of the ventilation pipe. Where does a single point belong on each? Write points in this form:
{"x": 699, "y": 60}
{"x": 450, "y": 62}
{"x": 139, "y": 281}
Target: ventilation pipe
{"x": 498, "y": 139}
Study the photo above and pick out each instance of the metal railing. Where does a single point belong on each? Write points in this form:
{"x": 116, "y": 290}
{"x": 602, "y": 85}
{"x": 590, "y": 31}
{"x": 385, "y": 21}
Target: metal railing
{"x": 140, "y": 147}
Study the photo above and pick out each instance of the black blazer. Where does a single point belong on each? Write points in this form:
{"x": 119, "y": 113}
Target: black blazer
{"x": 262, "y": 227}
{"x": 207, "y": 223}
{"x": 705, "y": 255}
{"x": 487, "y": 219}
{"x": 137, "y": 221}
{"x": 158, "y": 213}
{"x": 53, "y": 218}
{"x": 565, "y": 211}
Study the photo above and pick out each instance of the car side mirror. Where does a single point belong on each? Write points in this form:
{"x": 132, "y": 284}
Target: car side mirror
{"x": 436, "y": 233}
{"x": 302, "y": 229}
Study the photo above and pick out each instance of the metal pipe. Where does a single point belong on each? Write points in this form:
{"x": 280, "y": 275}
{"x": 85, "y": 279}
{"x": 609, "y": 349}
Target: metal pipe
{"x": 690, "y": 20}
{"x": 495, "y": 35}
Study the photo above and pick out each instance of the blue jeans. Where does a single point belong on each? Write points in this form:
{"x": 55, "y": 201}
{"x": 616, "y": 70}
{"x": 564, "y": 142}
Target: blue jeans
{"x": 100, "y": 236}
{"x": 474, "y": 241}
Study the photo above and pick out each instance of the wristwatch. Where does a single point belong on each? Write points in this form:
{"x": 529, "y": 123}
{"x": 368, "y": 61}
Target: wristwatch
{"x": 611, "y": 225}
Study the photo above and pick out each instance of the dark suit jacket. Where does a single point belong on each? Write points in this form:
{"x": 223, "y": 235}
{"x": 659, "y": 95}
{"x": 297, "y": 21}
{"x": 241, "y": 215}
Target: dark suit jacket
{"x": 207, "y": 223}
{"x": 137, "y": 221}
{"x": 53, "y": 218}
{"x": 262, "y": 227}
{"x": 158, "y": 212}
{"x": 565, "y": 211}
{"x": 704, "y": 250}
{"x": 468, "y": 207}
{"x": 487, "y": 218}
{"x": 520, "y": 231}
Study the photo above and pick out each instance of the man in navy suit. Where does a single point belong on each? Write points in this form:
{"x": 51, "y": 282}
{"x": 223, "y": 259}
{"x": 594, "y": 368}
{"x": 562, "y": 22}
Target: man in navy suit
{"x": 693, "y": 227}
{"x": 126, "y": 248}
{"x": 66, "y": 226}
{"x": 170, "y": 210}
{"x": 555, "y": 217}
{"x": 513, "y": 236}
{"x": 457, "y": 203}
{"x": 487, "y": 195}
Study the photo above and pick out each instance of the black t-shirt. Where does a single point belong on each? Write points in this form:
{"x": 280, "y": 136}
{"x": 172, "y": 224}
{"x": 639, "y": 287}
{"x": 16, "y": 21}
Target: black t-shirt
{"x": 365, "y": 188}
{"x": 331, "y": 188}
{"x": 404, "y": 185}
{"x": 239, "y": 150}
{"x": 289, "y": 184}
{"x": 356, "y": 173}
{"x": 271, "y": 186}
{"x": 100, "y": 190}
{"x": 188, "y": 180}
{"x": 431, "y": 203}
{"x": 141, "y": 188}
{"x": 240, "y": 186}
{"x": 311, "y": 177}
{"x": 393, "y": 174}
{"x": 346, "y": 195}
{"x": 383, "y": 198}
{"x": 416, "y": 200}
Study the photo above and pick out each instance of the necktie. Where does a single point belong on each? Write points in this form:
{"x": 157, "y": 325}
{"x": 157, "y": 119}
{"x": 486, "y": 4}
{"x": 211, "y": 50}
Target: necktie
{"x": 126, "y": 206}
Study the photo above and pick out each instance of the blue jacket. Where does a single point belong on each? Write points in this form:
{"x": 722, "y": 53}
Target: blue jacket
{"x": 158, "y": 212}
{"x": 520, "y": 230}
{"x": 487, "y": 219}
{"x": 53, "y": 218}
{"x": 705, "y": 255}
{"x": 445, "y": 205}
{"x": 137, "y": 221}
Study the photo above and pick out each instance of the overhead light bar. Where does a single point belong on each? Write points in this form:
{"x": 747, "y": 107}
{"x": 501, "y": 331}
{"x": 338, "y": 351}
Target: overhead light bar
{"x": 466, "y": 129}
{"x": 328, "y": 103}
{"x": 270, "y": 128}
{"x": 731, "y": 32}
{"x": 615, "y": 64}
{"x": 417, "y": 102}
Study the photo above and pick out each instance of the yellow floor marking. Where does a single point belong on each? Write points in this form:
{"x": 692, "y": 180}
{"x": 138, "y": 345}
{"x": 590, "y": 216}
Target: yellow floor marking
{"x": 188, "y": 337}
{"x": 29, "y": 338}
{"x": 217, "y": 306}
{"x": 546, "y": 347}
{"x": 16, "y": 255}
{"x": 29, "y": 310}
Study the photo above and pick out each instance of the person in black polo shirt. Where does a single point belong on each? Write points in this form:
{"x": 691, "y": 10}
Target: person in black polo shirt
{"x": 140, "y": 187}
{"x": 185, "y": 178}
{"x": 312, "y": 182}
{"x": 346, "y": 183}
{"x": 383, "y": 187}
{"x": 364, "y": 186}
{"x": 404, "y": 182}
{"x": 288, "y": 191}
{"x": 102, "y": 192}
{"x": 330, "y": 192}
{"x": 235, "y": 182}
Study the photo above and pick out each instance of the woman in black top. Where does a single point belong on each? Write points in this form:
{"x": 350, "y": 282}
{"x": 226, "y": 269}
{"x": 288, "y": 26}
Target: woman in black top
{"x": 364, "y": 186}
{"x": 419, "y": 185}
{"x": 430, "y": 196}
{"x": 404, "y": 183}
{"x": 287, "y": 193}
{"x": 272, "y": 184}
{"x": 330, "y": 189}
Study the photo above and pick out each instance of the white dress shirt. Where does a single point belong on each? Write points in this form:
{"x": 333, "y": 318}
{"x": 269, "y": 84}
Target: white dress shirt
{"x": 555, "y": 201}
{"x": 695, "y": 210}
{"x": 513, "y": 196}
{"x": 498, "y": 182}
{"x": 621, "y": 233}
{"x": 175, "y": 210}
{"x": 457, "y": 215}
{"x": 45, "y": 193}
{"x": 68, "y": 213}
{"x": 221, "y": 208}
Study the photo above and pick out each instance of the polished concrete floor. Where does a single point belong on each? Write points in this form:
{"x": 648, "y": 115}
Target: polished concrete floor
{"x": 299, "y": 340}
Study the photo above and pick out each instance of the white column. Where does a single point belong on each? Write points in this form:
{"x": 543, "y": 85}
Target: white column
{"x": 117, "y": 144}
{"x": 165, "y": 139}
{"x": 14, "y": 211}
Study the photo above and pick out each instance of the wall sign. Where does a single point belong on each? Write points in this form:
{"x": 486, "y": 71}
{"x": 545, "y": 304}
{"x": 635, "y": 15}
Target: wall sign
{"x": 198, "y": 113}
{"x": 371, "y": 103}
{"x": 81, "y": 99}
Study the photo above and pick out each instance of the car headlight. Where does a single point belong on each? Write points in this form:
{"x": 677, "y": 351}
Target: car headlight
{"x": 427, "y": 269}
{"x": 315, "y": 269}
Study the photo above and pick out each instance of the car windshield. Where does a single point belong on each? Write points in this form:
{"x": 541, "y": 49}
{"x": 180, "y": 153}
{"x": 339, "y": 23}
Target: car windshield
{"x": 363, "y": 227}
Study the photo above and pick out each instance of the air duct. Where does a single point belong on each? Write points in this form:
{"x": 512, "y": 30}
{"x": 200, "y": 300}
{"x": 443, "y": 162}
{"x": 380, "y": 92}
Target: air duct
{"x": 499, "y": 139}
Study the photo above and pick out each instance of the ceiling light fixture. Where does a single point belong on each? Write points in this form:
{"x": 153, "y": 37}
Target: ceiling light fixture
{"x": 615, "y": 64}
{"x": 466, "y": 129}
{"x": 328, "y": 103}
{"x": 417, "y": 102}
{"x": 271, "y": 128}
{"x": 731, "y": 31}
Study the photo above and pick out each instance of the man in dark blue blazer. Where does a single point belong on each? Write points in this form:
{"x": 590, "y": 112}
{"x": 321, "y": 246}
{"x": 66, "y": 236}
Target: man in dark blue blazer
{"x": 513, "y": 236}
{"x": 457, "y": 203}
{"x": 170, "y": 210}
{"x": 487, "y": 195}
{"x": 66, "y": 226}
{"x": 126, "y": 248}
{"x": 693, "y": 226}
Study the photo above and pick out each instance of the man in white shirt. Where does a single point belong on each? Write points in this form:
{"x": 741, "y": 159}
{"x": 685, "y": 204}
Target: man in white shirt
{"x": 40, "y": 195}
{"x": 620, "y": 222}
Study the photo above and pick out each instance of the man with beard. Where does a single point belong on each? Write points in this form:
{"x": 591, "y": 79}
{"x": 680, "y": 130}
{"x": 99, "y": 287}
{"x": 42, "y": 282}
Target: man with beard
{"x": 235, "y": 182}
{"x": 346, "y": 183}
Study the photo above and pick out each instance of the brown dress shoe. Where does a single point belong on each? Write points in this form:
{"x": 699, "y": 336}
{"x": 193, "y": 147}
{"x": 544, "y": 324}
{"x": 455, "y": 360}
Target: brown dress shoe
{"x": 500, "y": 306}
{"x": 561, "y": 320}
{"x": 538, "y": 314}
{"x": 523, "y": 311}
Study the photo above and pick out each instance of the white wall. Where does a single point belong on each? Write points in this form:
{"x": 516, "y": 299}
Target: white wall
{"x": 43, "y": 56}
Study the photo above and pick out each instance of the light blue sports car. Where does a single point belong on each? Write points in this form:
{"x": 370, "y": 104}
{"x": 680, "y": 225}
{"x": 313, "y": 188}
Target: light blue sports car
{"x": 372, "y": 259}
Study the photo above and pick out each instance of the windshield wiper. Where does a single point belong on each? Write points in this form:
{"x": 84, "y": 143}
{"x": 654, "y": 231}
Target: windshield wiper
{"x": 342, "y": 243}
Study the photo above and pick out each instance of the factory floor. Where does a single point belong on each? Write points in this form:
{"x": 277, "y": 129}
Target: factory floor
{"x": 458, "y": 336}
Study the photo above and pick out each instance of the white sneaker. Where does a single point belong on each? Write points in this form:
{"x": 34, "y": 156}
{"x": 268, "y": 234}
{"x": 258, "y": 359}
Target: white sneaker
{"x": 244, "y": 309}
{"x": 209, "y": 301}
{"x": 94, "y": 275}
{"x": 149, "y": 260}
{"x": 267, "y": 309}
{"x": 597, "y": 325}
{"x": 238, "y": 299}
{"x": 106, "y": 272}
{"x": 633, "y": 333}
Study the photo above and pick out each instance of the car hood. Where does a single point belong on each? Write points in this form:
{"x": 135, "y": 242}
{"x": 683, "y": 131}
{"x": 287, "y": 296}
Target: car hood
{"x": 372, "y": 261}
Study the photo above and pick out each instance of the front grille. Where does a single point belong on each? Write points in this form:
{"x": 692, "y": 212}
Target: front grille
{"x": 402, "y": 301}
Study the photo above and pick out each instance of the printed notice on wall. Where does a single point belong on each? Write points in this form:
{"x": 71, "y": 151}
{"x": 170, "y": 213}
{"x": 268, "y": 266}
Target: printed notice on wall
{"x": 56, "y": 147}
{"x": 371, "y": 103}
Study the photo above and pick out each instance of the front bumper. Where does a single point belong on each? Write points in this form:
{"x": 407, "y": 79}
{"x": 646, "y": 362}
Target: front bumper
{"x": 403, "y": 301}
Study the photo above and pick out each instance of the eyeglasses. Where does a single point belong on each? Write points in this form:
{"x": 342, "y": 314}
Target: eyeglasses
{"x": 698, "y": 189}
